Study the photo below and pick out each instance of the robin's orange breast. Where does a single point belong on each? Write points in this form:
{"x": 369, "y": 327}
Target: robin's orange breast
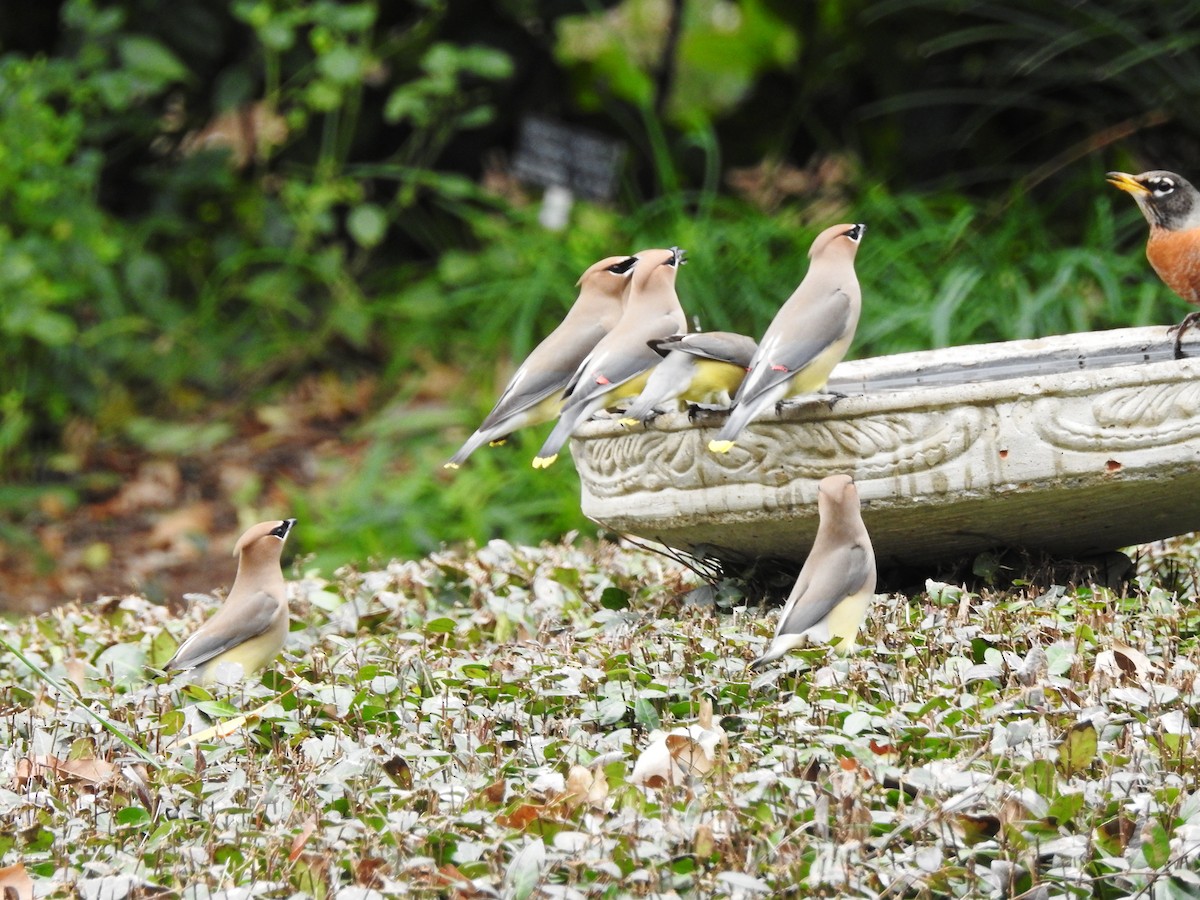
{"x": 1175, "y": 256}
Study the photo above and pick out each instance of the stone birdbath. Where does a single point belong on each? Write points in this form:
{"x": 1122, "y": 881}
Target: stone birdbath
{"x": 1071, "y": 445}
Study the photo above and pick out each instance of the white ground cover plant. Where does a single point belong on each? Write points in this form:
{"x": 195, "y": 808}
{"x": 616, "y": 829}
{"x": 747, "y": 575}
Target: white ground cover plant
{"x": 467, "y": 725}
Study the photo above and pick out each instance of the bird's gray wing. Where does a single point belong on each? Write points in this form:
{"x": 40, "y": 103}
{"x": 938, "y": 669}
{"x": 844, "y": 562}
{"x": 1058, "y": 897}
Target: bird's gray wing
{"x": 546, "y": 370}
{"x": 226, "y": 630}
{"x": 842, "y": 573}
{"x": 723, "y": 346}
{"x": 810, "y": 330}
{"x": 620, "y": 356}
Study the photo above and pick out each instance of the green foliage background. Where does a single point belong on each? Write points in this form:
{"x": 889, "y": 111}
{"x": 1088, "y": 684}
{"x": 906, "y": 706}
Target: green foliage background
{"x": 141, "y": 281}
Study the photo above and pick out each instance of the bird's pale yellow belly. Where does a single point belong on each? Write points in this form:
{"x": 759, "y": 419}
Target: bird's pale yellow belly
{"x": 713, "y": 381}
{"x": 251, "y": 655}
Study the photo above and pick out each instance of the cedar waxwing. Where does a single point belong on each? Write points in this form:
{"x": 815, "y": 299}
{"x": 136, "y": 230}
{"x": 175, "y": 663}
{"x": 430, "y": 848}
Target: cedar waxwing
{"x": 618, "y": 365}
{"x": 837, "y": 581}
{"x": 534, "y": 395}
{"x": 1172, "y": 207}
{"x": 249, "y": 629}
{"x": 705, "y": 367}
{"x": 808, "y": 336}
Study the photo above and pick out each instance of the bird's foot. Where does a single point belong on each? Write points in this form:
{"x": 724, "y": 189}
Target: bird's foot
{"x": 1178, "y": 330}
{"x": 831, "y": 398}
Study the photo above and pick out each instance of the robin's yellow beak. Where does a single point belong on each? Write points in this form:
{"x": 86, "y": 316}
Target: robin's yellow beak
{"x": 1126, "y": 183}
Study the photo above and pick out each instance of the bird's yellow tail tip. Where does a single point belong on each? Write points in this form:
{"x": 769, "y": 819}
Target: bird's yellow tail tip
{"x": 450, "y": 465}
{"x": 498, "y": 442}
{"x": 720, "y": 446}
{"x": 628, "y": 422}
{"x": 544, "y": 462}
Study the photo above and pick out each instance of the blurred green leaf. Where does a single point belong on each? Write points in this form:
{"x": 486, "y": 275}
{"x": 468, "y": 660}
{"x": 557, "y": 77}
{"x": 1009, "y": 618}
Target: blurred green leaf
{"x": 151, "y": 60}
{"x": 368, "y": 224}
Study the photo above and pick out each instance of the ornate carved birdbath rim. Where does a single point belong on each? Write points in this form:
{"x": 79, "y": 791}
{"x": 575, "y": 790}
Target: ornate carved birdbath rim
{"x": 1073, "y": 445}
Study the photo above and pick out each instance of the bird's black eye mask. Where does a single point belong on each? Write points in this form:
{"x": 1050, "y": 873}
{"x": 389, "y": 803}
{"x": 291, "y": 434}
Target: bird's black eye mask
{"x": 856, "y": 233}
{"x": 623, "y": 266}
{"x": 281, "y": 530}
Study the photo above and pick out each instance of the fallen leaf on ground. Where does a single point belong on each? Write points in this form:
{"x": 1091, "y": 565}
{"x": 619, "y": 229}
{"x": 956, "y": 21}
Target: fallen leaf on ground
{"x": 586, "y": 786}
{"x": 301, "y": 839}
{"x": 15, "y": 883}
{"x": 681, "y": 754}
{"x": 89, "y": 769}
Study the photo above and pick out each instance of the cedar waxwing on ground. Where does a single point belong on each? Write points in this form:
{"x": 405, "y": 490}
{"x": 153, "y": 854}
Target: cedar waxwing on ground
{"x": 809, "y": 335}
{"x": 618, "y": 365}
{"x": 1172, "y": 207}
{"x": 251, "y": 626}
{"x": 837, "y": 581}
{"x": 534, "y": 395}
{"x": 705, "y": 367}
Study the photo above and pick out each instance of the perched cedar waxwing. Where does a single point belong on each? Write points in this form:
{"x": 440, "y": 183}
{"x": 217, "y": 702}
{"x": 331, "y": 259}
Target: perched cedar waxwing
{"x": 705, "y": 367}
{"x": 808, "y": 336}
{"x": 249, "y": 629}
{"x": 617, "y": 366}
{"x": 837, "y": 580}
{"x": 534, "y": 395}
{"x": 1172, "y": 207}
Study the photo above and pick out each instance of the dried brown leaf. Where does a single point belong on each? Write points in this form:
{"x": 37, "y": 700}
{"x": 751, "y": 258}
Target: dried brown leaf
{"x": 22, "y": 773}
{"x": 522, "y": 816}
{"x": 972, "y": 829}
{"x": 76, "y": 671}
{"x": 689, "y": 753}
{"x": 301, "y": 839}
{"x": 15, "y": 883}
{"x": 586, "y": 786}
{"x": 494, "y": 792}
{"x": 89, "y": 770}
{"x": 656, "y": 767}
{"x": 1132, "y": 662}
{"x": 398, "y": 770}
{"x": 366, "y": 872}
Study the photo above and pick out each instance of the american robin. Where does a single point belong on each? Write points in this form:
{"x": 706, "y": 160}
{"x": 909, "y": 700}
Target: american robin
{"x": 808, "y": 336}
{"x": 1172, "y": 207}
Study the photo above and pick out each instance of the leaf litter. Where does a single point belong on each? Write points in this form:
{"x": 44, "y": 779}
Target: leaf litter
{"x": 560, "y": 721}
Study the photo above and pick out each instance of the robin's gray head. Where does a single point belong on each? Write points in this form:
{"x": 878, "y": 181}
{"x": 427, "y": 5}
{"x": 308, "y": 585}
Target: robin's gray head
{"x": 1166, "y": 200}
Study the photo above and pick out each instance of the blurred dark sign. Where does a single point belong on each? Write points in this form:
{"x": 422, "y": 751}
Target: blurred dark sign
{"x": 552, "y": 154}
